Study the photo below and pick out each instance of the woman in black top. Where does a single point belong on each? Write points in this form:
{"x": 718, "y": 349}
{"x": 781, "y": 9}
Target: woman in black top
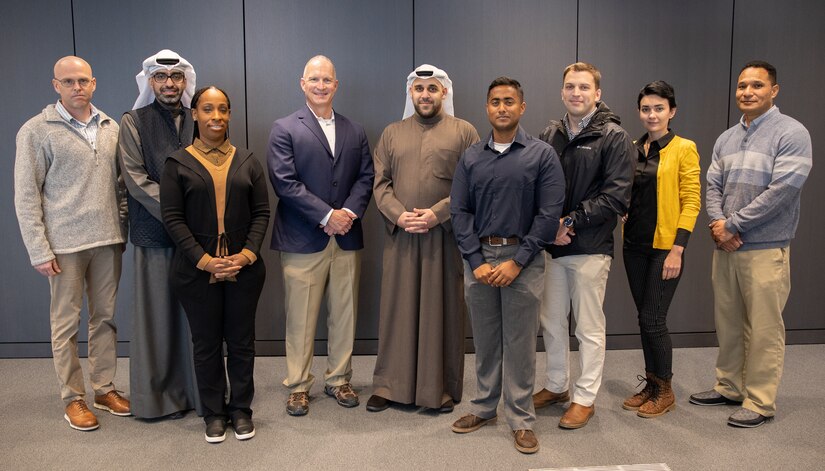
{"x": 215, "y": 207}
{"x": 663, "y": 208}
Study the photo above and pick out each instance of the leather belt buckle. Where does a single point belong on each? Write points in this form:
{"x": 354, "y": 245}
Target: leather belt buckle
{"x": 494, "y": 241}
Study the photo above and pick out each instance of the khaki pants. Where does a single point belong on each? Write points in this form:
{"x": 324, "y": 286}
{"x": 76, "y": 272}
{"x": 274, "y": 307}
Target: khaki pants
{"x": 331, "y": 274}
{"x": 98, "y": 271}
{"x": 577, "y": 281}
{"x": 750, "y": 290}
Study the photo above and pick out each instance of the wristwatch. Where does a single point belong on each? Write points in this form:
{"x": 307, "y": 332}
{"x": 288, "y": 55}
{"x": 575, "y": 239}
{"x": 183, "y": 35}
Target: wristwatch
{"x": 568, "y": 222}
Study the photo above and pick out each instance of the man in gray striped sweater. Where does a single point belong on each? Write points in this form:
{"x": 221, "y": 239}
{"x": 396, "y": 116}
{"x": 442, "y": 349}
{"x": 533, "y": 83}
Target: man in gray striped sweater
{"x": 754, "y": 185}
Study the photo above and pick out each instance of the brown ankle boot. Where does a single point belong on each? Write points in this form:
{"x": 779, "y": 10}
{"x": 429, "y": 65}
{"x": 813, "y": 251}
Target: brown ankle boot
{"x": 663, "y": 400}
{"x": 635, "y": 401}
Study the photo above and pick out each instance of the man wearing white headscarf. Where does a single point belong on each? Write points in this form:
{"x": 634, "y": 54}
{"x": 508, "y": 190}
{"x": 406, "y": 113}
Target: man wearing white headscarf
{"x": 161, "y": 370}
{"x": 421, "y": 325}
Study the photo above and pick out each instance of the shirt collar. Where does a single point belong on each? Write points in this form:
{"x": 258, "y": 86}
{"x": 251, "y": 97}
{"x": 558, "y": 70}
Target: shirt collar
{"x": 583, "y": 123}
{"x": 520, "y": 139}
{"x": 662, "y": 142}
{"x": 64, "y": 113}
{"x": 203, "y": 147}
{"x": 759, "y": 118}
{"x": 320, "y": 119}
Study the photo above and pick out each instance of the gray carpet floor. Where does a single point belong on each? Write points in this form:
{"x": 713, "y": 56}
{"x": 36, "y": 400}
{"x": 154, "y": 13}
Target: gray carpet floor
{"x": 406, "y": 438}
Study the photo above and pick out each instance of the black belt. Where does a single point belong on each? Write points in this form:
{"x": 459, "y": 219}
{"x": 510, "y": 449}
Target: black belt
{"x": 495, "y": 241}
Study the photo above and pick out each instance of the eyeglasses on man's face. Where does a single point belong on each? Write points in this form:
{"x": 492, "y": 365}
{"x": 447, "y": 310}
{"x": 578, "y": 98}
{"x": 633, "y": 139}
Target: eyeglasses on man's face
{"x": 162, "y": 77}
{"x": 69, "y": 83}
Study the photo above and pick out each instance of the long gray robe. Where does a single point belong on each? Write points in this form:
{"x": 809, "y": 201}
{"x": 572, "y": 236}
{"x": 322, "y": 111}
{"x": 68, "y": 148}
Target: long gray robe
{"x": 161, "y": 369}
{"x": 422, "y": 313}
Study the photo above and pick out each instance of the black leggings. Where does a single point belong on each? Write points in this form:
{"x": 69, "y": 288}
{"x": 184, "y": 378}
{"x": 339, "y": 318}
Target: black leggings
{"x": 652, "y": 296}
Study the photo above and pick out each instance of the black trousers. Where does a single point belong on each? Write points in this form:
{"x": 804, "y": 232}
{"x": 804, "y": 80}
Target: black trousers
{"x": 224, "y": 312}
{"x": 652, "y": 296}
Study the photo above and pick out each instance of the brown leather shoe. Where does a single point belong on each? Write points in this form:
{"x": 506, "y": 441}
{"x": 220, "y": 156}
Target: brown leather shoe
{"x": 377, "y": 403}
{"x": 544, "y": 398}
{"x": 114, "y": 403}
{"x": 526, "y": 441}
{"x": 298, "y": 403}
{"x": 80, "y": 417}
{"x": 663, "y": 400}
{"x": 576, "y": 416}
{"x": 470, "y": 423}
{"x": 635, "y": 401}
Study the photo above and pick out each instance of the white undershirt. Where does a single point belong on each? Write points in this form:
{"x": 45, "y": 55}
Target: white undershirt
{"x": 328, "y": 126}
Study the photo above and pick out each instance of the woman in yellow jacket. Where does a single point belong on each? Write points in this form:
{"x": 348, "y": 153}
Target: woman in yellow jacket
{"x": 663, "y": 208}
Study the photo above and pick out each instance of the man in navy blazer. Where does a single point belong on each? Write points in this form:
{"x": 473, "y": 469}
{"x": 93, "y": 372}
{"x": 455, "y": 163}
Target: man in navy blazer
{"x": 321, "y": 168}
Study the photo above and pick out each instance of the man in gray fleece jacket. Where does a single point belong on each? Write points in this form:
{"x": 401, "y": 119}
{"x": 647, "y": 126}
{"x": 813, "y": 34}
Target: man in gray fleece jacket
{"x": 754, "y": 185}
{"x": 71, "y": 207}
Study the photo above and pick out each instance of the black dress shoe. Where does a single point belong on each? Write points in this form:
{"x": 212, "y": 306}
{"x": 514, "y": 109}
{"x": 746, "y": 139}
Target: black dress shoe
{"x": 216, "y": 430}
{"x": 244, "y": 428}
{"x": 377, "y": 403}
{"x": 447, "y": 407}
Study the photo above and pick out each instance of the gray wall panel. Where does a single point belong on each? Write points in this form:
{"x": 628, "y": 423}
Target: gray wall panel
{"x": 29, "y": 58}
{"x": 256, "y": 49}
{"x": 477, "y": 41}
{"x": 790, "y": 37}
{"x": 633, "y": 43}
{"x": 370, "y": 42}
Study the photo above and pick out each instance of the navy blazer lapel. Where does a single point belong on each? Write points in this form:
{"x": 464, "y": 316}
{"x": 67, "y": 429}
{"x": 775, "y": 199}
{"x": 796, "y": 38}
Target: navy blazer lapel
{"x": 311, "y": 122}
{"x": 340, "y": 135}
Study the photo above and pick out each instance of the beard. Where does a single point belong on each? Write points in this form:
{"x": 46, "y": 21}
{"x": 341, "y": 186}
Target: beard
{"x": 170, "y": 100}
{"x": 433, "y": 112}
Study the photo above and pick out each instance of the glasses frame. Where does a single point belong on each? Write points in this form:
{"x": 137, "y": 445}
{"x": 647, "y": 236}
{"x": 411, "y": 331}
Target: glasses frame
{"x": 69, "y": 82}
{"x": 157, "y": 77}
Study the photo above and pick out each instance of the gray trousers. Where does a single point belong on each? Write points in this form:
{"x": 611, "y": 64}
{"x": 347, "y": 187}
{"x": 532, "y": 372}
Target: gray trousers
{"x": 505, "y": 324}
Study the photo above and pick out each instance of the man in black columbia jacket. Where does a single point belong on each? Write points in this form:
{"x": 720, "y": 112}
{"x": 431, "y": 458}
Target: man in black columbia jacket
{"x": 597, "y": 157}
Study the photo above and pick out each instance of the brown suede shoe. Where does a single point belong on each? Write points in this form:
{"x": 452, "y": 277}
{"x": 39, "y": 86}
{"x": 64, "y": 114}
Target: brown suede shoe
{"x": 114, "y": 403}
{"x": 526, "y": 441}
{"x": 80, "y": 417}
{"x": 344, "y": 394}
{"x": 544, "y": 398}
{"x": 635, "y": 401}
{"x": 470, "y": 423}
{"x": 576, "y": 416}
{"x": 298, "y": 403}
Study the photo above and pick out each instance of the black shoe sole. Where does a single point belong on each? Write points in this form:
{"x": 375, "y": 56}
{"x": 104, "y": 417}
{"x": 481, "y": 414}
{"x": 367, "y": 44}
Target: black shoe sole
{"x": 725, "y": 402}
{"x": 749, "y": 425}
